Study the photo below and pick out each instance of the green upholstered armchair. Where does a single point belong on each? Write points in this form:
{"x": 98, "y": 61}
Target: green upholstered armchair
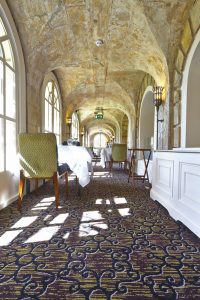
{"x": 119, "y": 155}
{"x": 38, "y": 160}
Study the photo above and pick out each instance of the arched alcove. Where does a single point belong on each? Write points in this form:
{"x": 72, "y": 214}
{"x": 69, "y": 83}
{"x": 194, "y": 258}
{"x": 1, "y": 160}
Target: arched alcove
{"x": 146, "y": 123}
{"x": 190, "y": 97}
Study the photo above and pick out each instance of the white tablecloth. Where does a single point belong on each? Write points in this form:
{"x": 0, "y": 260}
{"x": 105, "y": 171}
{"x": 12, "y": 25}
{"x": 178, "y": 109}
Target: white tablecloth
{"x": 78, "y": 159}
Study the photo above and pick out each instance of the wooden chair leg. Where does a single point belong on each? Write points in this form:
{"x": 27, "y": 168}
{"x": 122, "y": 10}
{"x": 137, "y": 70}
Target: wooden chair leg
{"x": 66, "y": 182}
{"x": 77, "y": 184}
{"x": 36, "y": 183}
{"x": 110, "y": 166}
{"x": 21, "y": 189}
{"x": 56, "y": 188}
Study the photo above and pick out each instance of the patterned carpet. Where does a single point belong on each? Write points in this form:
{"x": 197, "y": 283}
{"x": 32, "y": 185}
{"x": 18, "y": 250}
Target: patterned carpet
{"x": 113, "y": 243}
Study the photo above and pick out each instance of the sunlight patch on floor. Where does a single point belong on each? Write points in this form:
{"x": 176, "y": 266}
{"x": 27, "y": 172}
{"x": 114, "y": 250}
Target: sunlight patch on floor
{"x": 44, "y": 234}
{"x": 39, "y": 208}
{"x": 101, "y": 174}
{"x": 65, "y": 237}
{"x": 47, "y": 217}
{"x": 43, "y": 204}
{"x": 102, "y": 201}
{"x": 121, "y": 200}
{"x": 124, "y": 212}
{"x": 49, "y": 199}
{"x": 9, "y": 236}
{"x": 91, "y": 216}
{"x": 24, "y": 222}
{"x": 59, "y": 219}
{"x": 88, "y": 229}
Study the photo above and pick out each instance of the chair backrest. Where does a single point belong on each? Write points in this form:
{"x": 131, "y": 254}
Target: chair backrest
{"x": 119, "y": 152}
{"x": 37, "y": 154}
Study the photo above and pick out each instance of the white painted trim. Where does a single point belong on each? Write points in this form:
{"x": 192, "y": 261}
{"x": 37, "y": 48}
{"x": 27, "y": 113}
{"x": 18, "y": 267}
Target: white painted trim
{"x": 184, "y": 89}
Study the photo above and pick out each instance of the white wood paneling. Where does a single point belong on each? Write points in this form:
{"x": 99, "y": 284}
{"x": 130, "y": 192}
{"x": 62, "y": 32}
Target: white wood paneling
{"x": 164, "y": 175}
{"x": 189, "y": 184}
{"x": 176, "y": 185}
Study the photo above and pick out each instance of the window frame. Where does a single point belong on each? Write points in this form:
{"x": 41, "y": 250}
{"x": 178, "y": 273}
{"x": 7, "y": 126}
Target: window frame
{"x": 75, "y": 126}
{"x": 20, "y": 102}
{"x": 50, "y": 77}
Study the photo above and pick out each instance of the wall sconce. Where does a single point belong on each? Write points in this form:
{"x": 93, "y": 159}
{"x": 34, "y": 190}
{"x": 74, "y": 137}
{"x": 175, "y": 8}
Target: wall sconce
{"x": 157, "y": 101}
{"x": 69, "y": 123}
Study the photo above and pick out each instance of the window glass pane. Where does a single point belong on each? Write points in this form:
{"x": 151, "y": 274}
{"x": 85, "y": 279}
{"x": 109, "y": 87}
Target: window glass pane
{"x": 50, "y": 98}
{"x": 50, "y": 118}
{"x": 1, "y": 88}
{"x": 2, "y": 28}
{"x": 46, "y": 115}
{"x": 8, "y": 53}
{"x": 1, "y": 145}
{"x": 55, "y": 94}
{"x": 46, "y": 93}
{"x": 1, "y": 52}
{"x": 56, "y": 121}
{"x": 10, "y": 93}
{"x": 49, "y": 85}
{"x": 10, "y": 145}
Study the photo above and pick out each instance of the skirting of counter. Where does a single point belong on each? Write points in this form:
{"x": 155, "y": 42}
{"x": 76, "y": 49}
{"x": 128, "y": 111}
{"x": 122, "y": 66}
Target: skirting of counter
{"x": 176, "y": 185}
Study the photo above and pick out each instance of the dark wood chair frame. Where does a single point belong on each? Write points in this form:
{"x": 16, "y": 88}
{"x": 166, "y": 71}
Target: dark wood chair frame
{"x": 145, "y": 176}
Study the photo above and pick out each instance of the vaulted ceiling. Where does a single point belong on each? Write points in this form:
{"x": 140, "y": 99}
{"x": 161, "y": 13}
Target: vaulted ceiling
{"x": 139, "y": 36}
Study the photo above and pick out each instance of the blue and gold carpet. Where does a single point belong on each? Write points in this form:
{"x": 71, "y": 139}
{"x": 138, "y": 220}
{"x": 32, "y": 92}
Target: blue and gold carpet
{"x": 113, "y": 243}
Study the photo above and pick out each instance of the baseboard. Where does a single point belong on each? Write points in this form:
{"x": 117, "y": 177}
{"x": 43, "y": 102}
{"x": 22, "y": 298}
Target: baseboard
{"x": 174, "y": 213}
{"x": 8, "y": 202}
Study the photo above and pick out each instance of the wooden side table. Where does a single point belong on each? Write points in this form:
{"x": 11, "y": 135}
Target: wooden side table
{"x": 133, "y": 153}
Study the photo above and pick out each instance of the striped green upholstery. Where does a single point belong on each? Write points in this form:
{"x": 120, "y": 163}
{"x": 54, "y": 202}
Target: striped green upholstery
{"x": 119, "y": 152}
{"x": 37, "y": 154}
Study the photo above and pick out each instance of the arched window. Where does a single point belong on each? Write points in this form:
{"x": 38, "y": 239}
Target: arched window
{"x": 12, "y": 104}
{"x": 52, "y": 107}
{"x": 100, "y": 140}
{"x": 7, "y": 101}
{"x": 75, "y": 126}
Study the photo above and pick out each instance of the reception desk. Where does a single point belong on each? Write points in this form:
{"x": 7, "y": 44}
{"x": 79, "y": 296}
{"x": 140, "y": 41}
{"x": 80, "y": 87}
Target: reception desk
{"x": 176, "y": 185}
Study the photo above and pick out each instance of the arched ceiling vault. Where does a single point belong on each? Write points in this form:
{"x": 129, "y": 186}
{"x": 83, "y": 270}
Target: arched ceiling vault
{"x": 139, "y": 37}
{"x": 104, "y": 130}
{"x": 98, "y": 125}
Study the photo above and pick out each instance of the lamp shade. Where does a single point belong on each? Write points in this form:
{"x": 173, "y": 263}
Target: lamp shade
{"x": 157, "y": 95}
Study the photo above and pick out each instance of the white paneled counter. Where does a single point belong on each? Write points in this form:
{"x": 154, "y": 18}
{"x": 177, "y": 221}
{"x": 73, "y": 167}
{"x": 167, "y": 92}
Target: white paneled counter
{"x": 176, "y": 184}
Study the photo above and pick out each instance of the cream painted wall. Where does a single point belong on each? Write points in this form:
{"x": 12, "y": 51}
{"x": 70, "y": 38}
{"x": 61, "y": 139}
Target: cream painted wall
{"x": 193, "y": 102}
{"x": 146, "y": 130}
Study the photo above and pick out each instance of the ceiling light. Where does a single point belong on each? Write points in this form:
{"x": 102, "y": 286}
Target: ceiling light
{"x": 99, "y": 43}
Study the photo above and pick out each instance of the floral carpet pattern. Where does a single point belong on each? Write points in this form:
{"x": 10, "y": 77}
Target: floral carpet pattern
{"x": 112, "y": 243}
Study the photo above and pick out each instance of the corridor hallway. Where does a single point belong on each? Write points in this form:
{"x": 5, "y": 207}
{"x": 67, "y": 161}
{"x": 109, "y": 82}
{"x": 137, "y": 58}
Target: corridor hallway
{"x": 113, "y": 243}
